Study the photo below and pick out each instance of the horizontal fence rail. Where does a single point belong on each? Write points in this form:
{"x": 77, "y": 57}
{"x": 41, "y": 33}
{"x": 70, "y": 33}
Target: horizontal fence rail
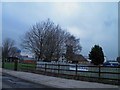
{"x": 100, "y": 72}
{"x": 76, "y": 71}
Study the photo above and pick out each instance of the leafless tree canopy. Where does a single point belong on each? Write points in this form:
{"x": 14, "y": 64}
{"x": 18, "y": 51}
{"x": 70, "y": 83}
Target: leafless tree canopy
{"x": 0, "y": 52}
{"x": 73, "y": 47}
{"x": 118, "y": 59}
{"x": 8, "y": 48}
{"x": 46, "y": 40}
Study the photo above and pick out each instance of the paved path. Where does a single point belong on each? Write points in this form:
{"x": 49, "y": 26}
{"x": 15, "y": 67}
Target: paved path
{"x": 56, "y": 82}
{"x": 9, "y": 81}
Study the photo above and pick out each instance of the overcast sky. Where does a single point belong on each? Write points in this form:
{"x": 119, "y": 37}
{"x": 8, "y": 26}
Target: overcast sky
{"x": 92, "y": 22}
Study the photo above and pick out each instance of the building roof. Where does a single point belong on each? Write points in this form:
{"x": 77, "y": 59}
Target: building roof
{"x": 79, "y": 58}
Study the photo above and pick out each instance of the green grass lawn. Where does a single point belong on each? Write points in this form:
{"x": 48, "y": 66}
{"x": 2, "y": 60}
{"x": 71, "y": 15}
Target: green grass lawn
{"x": 10, "y": 65}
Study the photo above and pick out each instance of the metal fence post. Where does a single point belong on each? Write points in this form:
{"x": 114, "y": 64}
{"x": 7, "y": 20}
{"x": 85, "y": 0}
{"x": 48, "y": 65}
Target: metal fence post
{"x": 76, "y": 71}
{"x": 99, "y": 71}
{"x": 3, "y": 64}
{"x": 35, "y": 68}
{"x": 15, "y": 65}
{"x": 58, "y": 69}
{"x": 45, "y": 67}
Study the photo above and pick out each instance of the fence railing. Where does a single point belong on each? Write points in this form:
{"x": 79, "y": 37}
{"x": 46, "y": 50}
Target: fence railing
{"x": 99, "y": 72}
{"x": 76, "y": 71}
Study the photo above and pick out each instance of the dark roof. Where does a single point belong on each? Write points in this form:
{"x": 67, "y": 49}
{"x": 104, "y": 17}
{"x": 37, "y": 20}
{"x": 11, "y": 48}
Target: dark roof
{"x": 80, "y": 58}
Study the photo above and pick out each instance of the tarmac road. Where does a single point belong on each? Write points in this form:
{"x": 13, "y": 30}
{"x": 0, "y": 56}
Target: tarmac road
{"x": 15, "y": 83}
{"x": 57, "y": 83}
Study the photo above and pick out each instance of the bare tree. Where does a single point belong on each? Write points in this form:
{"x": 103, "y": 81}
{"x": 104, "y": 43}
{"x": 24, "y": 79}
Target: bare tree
{"x": 0, "y": 52}
{"x": 14, "y": 52}
{"x": 118, "y": 59}
{"x": 7, "y": 46}
{"x": 72, "y": 47}
{"x": 8, "y": 49}
{"x": 48, "y": 41}
{"x": 55, "y": 39}
{"x": 45, "y": 40}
